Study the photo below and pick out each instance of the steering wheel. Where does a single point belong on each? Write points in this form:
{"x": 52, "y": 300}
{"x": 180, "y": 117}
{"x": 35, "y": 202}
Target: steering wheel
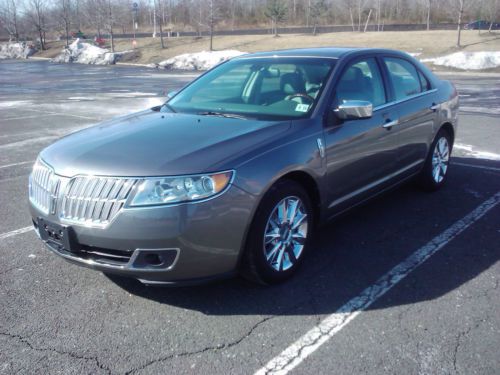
{"x": 300, "y": 95}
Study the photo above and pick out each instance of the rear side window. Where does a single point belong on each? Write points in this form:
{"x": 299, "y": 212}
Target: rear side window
{"x": 404, "y": 76}
{"x": 361, "y": 81}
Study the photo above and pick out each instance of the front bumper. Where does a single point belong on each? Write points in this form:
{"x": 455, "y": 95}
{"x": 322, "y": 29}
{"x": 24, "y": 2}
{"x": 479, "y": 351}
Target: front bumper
{"x": 198, "y": 240}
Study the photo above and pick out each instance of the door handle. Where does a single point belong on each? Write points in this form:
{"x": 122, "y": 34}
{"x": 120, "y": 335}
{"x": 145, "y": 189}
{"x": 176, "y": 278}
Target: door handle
{"x": 434, "y": 106}
{"x": 390, "y": 124}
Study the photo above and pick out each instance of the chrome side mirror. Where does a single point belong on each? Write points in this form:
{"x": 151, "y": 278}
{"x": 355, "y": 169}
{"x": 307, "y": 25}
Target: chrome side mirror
{"x": 354, "y": 109}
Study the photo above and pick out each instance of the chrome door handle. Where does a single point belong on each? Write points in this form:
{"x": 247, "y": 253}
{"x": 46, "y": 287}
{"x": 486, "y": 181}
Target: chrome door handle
{"x": 435, "y": 106}
{"x": 390, "y": 124}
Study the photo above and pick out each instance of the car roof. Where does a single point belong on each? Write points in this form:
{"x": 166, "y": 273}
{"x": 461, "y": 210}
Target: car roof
{"x": 322, "y": 52}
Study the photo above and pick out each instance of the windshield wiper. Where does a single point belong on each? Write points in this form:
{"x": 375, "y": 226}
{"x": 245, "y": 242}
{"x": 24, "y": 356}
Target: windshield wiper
{"x": 222, "y": 114}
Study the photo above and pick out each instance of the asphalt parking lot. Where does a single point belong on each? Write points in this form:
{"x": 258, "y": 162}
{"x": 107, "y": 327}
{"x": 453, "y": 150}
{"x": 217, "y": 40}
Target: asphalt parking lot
{"x": 407, "y": 284}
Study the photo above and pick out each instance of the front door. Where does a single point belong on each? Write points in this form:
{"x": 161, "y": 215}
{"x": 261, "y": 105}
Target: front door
{"x": 361, "y": 153}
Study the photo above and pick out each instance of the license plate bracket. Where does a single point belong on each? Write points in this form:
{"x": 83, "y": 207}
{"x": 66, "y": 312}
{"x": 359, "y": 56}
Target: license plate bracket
{"x": 57, "y": 234}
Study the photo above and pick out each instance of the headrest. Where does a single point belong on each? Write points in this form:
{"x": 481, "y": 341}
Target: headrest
{"x": 292, "y": 83}
{"x": 353, "y": 74}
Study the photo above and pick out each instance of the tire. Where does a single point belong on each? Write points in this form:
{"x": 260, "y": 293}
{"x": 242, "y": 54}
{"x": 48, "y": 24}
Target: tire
{"x": 435, "y": 172}
{"x": 278, "y": 259}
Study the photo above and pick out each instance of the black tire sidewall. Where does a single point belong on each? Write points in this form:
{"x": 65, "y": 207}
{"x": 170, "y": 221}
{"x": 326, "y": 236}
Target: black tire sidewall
{"x": 258, "y": 266}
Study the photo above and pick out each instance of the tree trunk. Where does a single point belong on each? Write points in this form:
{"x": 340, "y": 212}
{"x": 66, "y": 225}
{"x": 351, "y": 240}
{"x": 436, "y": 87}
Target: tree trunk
{"x": 428, "y": 15}
{"x": 66, "y": 26}
{"x": 378, "y": 15}
{"x": 459, "y": 27}
{"x": 367, "y": 20}
{"x": 352, "y": 19}
{"x": 211, "y": 36}
{"x": 161, "y": 34}
{"x": 359, "y": 15}
{"x": 40, "y": 33}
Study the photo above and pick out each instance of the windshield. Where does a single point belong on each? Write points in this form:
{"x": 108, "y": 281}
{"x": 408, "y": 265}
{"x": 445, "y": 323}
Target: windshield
{"x": 259, "y": 88}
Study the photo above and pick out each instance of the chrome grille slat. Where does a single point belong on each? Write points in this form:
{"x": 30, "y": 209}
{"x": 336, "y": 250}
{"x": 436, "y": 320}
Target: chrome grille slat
{"x": 95, "y": 200}
{"x": 44, "y": 185}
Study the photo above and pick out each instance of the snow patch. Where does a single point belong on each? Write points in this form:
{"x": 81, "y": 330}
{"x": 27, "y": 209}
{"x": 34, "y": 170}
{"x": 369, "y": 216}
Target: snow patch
{"x": 468, "y": 60}
{"x": 199, "y": 61}
{"x": 16, "y": 50}
{"x": 468, "y": 150}
{"x": 85, "y": 53}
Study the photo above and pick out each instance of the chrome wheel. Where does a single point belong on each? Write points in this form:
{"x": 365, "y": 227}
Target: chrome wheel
{"x": 440, "y": 159}
{"x": 286, "y": 233}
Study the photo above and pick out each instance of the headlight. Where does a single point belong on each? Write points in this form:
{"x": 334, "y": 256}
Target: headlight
{"x": 165, "y": 190}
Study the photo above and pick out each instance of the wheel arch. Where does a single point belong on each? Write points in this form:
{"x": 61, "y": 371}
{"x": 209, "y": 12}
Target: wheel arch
{"x": 304, "y": 179}
{"x": 448, "y": 127}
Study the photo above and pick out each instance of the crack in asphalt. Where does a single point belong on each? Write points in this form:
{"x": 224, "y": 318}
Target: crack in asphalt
{"x": 203, "y": 350}
{"x": 461, "y": 335}
{"x": 60, "y": 352}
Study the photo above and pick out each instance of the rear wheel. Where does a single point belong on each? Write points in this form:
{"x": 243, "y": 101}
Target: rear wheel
{"x": 435, "y": 170}
{"x": 280, "y": 234}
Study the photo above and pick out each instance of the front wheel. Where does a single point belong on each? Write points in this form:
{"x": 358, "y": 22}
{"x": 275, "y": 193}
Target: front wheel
{"x": 280, "y": 234}
{"x": 435, "y": 170}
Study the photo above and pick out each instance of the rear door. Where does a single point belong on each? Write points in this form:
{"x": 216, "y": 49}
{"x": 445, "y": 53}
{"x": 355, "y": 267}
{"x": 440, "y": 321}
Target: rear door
{"x": 361, "y": 154}
{"x": 415, "y": 101}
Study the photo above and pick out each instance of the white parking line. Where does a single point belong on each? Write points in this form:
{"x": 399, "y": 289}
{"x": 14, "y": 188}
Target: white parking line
{"x": 15, "y": 232}
{"x": 297, "y": 352}
{"x": 477, "y": 166}
{"x": 14, "y": 164}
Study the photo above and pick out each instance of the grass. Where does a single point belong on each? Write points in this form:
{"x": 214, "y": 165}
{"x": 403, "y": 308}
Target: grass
{"x": 428, "y": 43}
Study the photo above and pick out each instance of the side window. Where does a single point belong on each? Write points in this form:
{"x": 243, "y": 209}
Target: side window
{"x": 361, "y": 81}
{"x": 424, "y": 83}
{"x": 404, "y": 77}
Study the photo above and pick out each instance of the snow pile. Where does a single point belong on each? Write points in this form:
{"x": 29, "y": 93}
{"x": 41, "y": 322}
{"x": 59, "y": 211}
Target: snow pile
{"x": 16, "y": 51}
{"x": 85, "y": 53}
{"x": 468, "y": 60}
{"x": 200, "y": 60}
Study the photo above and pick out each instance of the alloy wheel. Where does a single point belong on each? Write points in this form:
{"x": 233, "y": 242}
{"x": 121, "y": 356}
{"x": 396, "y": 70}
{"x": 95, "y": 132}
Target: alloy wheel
{"x": 440, "y": 159}
{"x": 286, "y": 233}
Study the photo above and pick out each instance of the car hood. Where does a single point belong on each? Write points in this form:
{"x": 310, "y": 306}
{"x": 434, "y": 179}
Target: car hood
{"x": 152, "y": 143}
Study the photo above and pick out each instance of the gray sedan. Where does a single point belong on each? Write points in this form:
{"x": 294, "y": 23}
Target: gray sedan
{"x": 234, "y": 172}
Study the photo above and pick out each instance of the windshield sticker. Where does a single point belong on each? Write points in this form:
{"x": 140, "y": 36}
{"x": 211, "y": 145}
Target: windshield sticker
{"x": 302, "y": 107}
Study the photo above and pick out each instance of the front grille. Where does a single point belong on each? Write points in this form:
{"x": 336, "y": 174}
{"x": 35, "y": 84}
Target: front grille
{"x": 43, "y": 188}
{"x": 94, "y": 200}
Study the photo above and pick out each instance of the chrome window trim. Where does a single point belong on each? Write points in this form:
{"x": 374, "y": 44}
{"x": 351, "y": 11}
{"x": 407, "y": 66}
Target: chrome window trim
{"x": 374, "y": 184}
{"x": 283, "y": 57}
{"x": 404, "y": 100}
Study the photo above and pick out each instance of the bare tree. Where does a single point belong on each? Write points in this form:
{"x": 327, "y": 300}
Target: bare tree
{"x": 9, "y": 18}
{"x": 110, "y": 25}
{"x": 458, "y": 8}
{"x": 429, "y": 6}
{"x": 36, "y": 14}
{"x": 491, "y": 10}
{"x": 276, "y": 11}
{"x": 65, "y": 15}
{"x": 317, "y": 10}
{"x": 212, "y": 19}
{"x": 159, "y": 21}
